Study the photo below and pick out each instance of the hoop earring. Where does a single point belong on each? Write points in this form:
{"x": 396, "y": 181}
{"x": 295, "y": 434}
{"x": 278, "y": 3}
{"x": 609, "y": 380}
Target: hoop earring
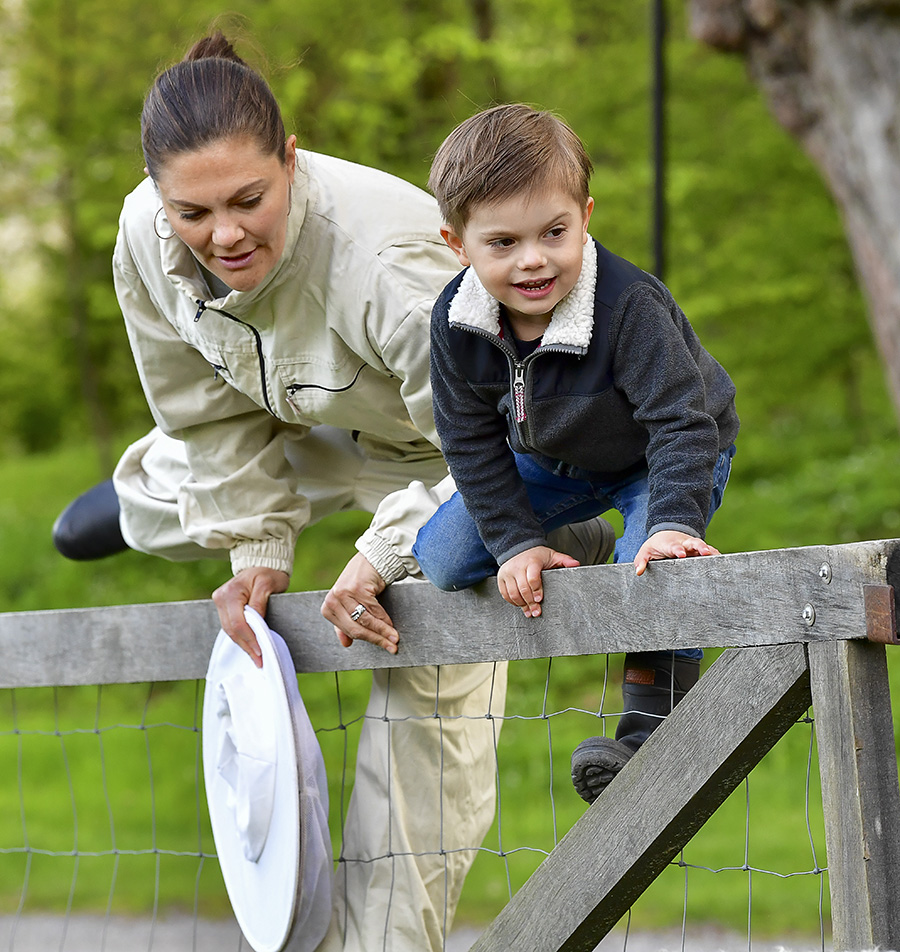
{"x": 290, "y": 199}
{"x": 156, "y": 227}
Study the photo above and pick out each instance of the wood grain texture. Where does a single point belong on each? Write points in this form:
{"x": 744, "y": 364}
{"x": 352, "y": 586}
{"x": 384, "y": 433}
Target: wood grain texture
{"x": 669, "y": 789}
{"x": 746, "y": 599}
{"x": 860, "y": 794}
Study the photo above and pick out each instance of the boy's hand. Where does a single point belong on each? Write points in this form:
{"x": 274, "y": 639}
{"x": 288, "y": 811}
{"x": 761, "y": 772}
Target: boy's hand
{"x": 519, "y": 579}
{"x": 670, "y": 544}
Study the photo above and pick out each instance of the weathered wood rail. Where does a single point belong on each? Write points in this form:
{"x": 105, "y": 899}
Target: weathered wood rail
{"x": 805, "y": 626}
{"x": 814, "y": 594}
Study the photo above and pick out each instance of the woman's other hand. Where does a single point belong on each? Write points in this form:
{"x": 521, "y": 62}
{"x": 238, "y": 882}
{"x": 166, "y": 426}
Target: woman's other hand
{"x": 251, "y": 587}
{"x": 352, "y": 607}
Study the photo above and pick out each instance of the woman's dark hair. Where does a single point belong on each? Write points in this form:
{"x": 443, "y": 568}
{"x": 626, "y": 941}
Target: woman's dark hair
{"x": 212, "y": 94}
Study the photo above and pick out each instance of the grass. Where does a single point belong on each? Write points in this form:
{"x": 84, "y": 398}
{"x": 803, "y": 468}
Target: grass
{"x": 76, "y": 781}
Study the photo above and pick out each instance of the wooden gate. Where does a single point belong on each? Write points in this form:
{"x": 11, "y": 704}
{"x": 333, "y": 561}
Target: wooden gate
{"x": 805, "y": 626}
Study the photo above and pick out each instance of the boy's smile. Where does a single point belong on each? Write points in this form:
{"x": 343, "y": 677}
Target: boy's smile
{"x": 527, "y": 252}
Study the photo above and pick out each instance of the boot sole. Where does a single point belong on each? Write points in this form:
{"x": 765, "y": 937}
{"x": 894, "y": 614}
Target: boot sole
{"x": 595, "y": 763}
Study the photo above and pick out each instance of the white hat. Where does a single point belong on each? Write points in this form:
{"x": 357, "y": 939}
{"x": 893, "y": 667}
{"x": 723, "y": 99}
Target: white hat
{"x": 267, "y": 793}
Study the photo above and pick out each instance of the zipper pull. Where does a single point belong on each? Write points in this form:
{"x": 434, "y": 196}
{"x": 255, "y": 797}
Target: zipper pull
{"x": 201, "y": 307}
{"x": 519, "y": 393}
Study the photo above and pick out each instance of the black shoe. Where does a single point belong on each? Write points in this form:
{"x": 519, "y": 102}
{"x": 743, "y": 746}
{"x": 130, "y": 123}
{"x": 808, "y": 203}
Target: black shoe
{"x": 653, "y": 683}
{"x": 595, "y": 763}
{"x": 88, "y": 528}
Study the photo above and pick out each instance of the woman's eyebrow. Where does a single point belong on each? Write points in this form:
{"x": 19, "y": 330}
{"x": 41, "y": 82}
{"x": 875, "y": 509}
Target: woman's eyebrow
{"x": 242, "y": 191}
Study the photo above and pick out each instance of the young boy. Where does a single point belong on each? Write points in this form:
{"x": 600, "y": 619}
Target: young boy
{"x": 566, "y": 382}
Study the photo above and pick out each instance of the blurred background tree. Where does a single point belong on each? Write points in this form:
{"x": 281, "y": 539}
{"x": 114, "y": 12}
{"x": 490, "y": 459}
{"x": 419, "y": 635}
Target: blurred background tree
{"x": 756, "y": 251}
{"x": 756, "y": 254}
{"x": 831, "y": 74}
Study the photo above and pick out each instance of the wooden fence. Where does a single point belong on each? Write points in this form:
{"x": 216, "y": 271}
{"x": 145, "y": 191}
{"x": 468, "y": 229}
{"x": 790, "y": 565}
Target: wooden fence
{"x": 805, "y": 626}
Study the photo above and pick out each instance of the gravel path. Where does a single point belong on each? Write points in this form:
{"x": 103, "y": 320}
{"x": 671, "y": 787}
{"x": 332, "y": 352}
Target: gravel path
{"x": 178, "y": 934}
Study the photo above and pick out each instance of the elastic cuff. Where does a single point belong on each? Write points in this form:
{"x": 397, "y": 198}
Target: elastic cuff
{"x": 675, "y": 527}
{"x": 267, "y": 555}
{"x": 384, "y": 559}
{"x": 519, "y": 548}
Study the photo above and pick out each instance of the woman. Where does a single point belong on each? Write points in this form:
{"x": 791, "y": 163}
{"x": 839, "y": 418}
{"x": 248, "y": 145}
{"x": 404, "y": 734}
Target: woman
{"x": 277, "y": 304}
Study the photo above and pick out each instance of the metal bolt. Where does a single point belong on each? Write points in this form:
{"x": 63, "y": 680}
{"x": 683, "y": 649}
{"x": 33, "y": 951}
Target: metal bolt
{"x": 825, "y": 573}
{"x": 809, "y": 615}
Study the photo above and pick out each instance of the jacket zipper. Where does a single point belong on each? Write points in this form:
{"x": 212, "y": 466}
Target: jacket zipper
{"x": 260, "y": 355}
{"x": 520, "y": 403}
{"x": 296, "y": 387}
{"x": 519, "y": 392}
{"x": 517, "y": 384}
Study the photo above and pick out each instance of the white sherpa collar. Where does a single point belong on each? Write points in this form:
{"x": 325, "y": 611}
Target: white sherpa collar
{"x": 573, "y": 318}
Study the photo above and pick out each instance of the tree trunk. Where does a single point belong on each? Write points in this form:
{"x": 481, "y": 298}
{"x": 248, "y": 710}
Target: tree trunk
{"x": 75, "y": 296}
{"x": 831, "y": 72}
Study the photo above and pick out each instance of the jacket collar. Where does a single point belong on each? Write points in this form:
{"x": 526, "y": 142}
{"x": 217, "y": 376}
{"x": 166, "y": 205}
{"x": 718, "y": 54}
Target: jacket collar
{"x": 573, "y": 318}
{"x": 181, "y": 267}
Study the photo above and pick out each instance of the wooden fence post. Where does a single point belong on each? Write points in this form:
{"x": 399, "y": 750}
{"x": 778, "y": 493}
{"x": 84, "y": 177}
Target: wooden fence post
{"x": 861, "y": 799}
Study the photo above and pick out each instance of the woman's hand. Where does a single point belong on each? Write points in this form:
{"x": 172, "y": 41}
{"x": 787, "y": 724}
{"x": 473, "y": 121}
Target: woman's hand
{"x": 358, "y": 587}
{"x": 251, "y": 587}
{"x": 670, "y": 544}
{"x": 520, "y": 580}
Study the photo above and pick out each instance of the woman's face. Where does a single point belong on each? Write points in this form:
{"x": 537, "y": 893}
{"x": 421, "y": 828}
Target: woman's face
{"x": 229, "y": 203}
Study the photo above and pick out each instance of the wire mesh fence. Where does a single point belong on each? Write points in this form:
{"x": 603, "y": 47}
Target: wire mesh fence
{"x": 103, "y": 822}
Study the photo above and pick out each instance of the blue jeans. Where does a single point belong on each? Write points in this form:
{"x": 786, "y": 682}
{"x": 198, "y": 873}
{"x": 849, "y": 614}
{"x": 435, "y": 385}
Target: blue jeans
{"x": 452, "y": 556}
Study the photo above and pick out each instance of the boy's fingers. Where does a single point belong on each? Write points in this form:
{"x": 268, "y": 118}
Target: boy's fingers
{"x": 510, "y": 593}
{"x": 516, "y": 593}
{"x": 530, "y": 600}
{"x": 534, "y": 581}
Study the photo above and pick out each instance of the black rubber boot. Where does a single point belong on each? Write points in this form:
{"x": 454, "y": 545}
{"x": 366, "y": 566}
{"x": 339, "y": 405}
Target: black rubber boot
{"x": 653, "y": 683}
{"x": 88, "y": 528}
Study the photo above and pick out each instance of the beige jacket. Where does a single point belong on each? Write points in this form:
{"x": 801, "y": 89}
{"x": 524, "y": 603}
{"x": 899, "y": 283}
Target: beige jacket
{"x": 337, "y": 333}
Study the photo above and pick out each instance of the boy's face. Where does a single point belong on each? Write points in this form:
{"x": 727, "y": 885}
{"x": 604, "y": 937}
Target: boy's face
{"x": 526, "y": 251}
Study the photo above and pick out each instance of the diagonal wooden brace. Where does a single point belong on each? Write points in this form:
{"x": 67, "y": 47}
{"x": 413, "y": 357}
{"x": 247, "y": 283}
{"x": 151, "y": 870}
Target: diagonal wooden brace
{"x": 674, "y": 783}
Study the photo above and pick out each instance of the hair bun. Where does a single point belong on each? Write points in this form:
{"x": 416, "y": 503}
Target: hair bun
{"x": 214, "y": 46}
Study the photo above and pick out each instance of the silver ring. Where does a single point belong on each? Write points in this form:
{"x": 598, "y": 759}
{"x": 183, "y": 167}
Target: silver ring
{"x": 355, "y": 614}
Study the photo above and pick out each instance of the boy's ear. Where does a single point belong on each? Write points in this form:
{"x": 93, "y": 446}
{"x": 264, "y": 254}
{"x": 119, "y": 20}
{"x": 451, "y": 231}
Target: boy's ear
{"x": 454, "y": 242}
{"x": 587, "y": 218}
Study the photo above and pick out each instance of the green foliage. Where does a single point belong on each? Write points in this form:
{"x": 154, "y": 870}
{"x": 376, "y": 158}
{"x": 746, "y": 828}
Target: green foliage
{"x": 59, "y": 771}
{"x": 756, "y": 256}
{"x": 756, "y": 251}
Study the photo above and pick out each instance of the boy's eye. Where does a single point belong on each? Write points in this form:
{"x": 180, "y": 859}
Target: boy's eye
{"x": 503, "y": 243}
{"x": 557, "y": 232}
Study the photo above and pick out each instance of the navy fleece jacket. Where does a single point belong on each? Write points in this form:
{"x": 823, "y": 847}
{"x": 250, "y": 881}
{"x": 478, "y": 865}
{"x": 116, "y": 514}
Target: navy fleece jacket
{"x": 620, "y": 382}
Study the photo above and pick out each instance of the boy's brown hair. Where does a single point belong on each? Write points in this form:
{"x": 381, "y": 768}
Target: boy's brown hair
{"x": 502, "y": 152}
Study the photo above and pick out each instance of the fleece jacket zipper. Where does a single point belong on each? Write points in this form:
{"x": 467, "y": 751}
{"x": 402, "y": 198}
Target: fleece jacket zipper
{"x": 518, "y": 386}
